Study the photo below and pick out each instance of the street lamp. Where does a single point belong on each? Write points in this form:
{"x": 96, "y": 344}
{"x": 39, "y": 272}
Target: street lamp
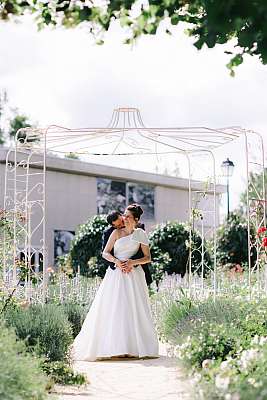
{"x": 227, "y": 171}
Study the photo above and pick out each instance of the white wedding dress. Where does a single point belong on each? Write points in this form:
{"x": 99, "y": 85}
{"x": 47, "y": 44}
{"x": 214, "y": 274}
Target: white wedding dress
{"x": 119, "y": 321}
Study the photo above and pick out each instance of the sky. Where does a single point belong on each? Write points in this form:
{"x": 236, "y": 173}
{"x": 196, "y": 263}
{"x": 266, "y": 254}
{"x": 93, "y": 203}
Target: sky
{"x": 62, "y": 77}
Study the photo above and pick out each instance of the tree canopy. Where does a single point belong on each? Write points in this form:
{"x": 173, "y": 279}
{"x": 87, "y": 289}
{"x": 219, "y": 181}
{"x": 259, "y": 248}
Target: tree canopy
{"x": 210, "y": 22}
{"x": 11, "y": 120}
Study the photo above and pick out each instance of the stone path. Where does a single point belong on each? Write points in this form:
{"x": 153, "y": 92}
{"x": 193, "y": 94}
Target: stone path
{"x": 152, "y": 379}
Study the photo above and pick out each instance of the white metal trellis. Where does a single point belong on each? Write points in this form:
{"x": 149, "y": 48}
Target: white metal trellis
{"x": 126, "y": 134}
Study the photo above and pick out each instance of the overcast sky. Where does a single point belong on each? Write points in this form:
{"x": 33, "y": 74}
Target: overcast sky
{"x": 62, "y": 77}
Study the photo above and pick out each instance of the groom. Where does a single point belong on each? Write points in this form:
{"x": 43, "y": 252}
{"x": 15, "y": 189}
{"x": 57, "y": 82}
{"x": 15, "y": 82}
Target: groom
{"x": 115, "y": 219}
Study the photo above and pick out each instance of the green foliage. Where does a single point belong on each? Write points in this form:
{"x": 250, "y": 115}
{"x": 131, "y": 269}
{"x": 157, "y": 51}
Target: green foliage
{"x": 73, "y": 156}
{"x": 86, "y": 247}
{"x": 233, "y": 241}
{"x": 159, "y": 264}
{"x": 9, "y": 126}
{"x": 44, "y": 328}
{"x": 224, "y": 343}
{"x": 210, "y": 22}
{"x": 212, "y": 342}
{"x": 76, "y": 314}
{"x": 173, "y": 238}
{"x": 255, "y": 189}
{"x": 20, "y": 374}
{"x": 63, "y": 374}
{"x": 177, "y": 311}
{"x": 3, "y": 102}
{"x": 242, "y": 376}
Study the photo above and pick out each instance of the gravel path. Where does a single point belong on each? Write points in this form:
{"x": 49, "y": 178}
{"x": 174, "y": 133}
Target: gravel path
{"x": 151, "y": 379}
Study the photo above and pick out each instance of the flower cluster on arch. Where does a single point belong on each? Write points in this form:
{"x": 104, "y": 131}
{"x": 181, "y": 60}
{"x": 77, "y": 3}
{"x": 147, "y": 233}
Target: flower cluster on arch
{"x": 261, "y": 232}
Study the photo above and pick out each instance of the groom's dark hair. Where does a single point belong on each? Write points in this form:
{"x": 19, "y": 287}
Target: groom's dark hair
{"x": 113, "y": 216}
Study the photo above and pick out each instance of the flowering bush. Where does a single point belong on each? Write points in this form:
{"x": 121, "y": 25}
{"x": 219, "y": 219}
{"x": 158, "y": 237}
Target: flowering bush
{"x": 261, "y": 234}
{"x": 224, "y": 343}
{"x": 213, "y": 342}
{"x": 242, "y": 377}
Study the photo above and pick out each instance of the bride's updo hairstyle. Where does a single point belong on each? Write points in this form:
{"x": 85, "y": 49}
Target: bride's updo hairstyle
{"x": 136, "y": 211}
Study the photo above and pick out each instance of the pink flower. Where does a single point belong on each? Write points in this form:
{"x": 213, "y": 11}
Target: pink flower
{"x": 264, "y": 241}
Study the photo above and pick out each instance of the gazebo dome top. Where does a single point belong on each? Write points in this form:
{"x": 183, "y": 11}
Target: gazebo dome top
{"x": 126, "y": 134}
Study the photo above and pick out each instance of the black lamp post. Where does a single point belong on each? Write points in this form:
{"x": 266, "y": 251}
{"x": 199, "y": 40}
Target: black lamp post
{"x": 227, "y": 171}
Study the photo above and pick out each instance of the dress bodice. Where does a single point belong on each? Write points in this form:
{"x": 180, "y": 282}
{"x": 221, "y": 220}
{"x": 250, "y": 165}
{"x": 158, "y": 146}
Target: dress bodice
{"x": 126, "y": 246}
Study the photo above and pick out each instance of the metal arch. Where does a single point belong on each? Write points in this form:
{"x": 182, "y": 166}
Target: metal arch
{"x": 127, "y": 135}
{"x": 256, "y": 211}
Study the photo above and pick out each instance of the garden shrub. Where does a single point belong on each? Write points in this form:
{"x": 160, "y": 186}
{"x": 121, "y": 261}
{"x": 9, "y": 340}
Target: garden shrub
{"x": 233, "y": 241}
{"x": 242, "y": 376}
{"x": 173, "y": 238}
{"x": 211, "y": 341}
{"x": 175, "y": 313}
{"x": 224, "y": 343}
{"x": 86, "y": 247}
{"x": 63, "y": 374}
{"x": 76, "y": 314}
{"x": 44, "y": 328}
{"x": 20, "y": 375}
{"x": 159, "y": 264}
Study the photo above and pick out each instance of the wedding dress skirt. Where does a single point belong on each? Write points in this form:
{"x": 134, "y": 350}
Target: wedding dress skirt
{"x": 119, "y": 321}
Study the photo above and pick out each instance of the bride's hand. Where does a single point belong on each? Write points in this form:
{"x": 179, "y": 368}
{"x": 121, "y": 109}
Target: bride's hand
{"x": 128, "y": 265}
{"x": 120, "y": 265}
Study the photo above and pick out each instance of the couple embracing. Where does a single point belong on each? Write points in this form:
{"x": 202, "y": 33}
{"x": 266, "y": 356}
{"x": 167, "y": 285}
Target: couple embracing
{"x": 119, "y": 322}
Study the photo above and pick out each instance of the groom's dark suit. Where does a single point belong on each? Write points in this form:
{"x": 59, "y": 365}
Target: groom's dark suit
{"x": 139, "y": 254}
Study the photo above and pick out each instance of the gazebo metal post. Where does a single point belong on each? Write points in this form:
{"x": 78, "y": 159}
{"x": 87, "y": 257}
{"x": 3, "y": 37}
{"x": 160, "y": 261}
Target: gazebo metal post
{"x": 248, "y": 212}
{"x": 190, "y": 224}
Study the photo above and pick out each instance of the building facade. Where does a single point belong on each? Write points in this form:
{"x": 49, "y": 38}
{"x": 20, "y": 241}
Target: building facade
{"x": 77, "y": 190}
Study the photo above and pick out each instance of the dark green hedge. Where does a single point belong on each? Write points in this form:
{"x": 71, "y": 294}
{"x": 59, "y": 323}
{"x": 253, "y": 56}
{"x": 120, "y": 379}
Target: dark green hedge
{"x": 233, "y": 241}
{"x": 86, "y": 247}
{"x": 172, "y": 239}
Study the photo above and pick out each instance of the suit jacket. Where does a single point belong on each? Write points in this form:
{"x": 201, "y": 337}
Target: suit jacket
{"x": 106, "y": 234}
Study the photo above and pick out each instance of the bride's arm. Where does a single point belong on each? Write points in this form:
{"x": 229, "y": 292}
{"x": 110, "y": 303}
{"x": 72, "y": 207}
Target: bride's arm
{"x": 144, "y": 260}
{"x": 107, "y": 250}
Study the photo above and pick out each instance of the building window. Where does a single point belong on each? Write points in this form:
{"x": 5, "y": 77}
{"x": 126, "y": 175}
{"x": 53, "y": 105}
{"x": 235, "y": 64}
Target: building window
{"x": 62, "y": 242}
{"x": 111, "y": 195}
{"x": 143, "y": 195}
{"x": 116, "y": 195}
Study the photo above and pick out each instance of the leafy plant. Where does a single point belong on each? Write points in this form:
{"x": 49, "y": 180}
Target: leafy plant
{"x": 212, "y": 342}
{"x": 63, "y": 374}
{"x": 233, "y": 241}
{"x": 209, "y": 22}
{"x": 45, "y": 329}
{"x": 21, "y": 377}
{"x": 87, "y": 245}
{"x": 173, "y": 238}
{"x": 75, "y": 314}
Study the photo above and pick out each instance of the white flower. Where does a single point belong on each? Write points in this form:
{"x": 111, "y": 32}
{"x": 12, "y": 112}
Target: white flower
{"x": 255, "y": 340}
{"x": 247, "y": 357}
{"x": 206, "y": 363}
{"x": 224, "y": 365}
{"x": 263, "y": 340}
{"x": 221, "y": 382}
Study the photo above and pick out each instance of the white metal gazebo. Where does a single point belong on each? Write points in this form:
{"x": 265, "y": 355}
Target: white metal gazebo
{"x": 124, "y": 136}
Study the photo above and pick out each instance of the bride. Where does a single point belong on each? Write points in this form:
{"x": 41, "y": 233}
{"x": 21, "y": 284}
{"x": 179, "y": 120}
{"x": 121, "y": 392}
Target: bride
{"x": 119, "y": 322}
